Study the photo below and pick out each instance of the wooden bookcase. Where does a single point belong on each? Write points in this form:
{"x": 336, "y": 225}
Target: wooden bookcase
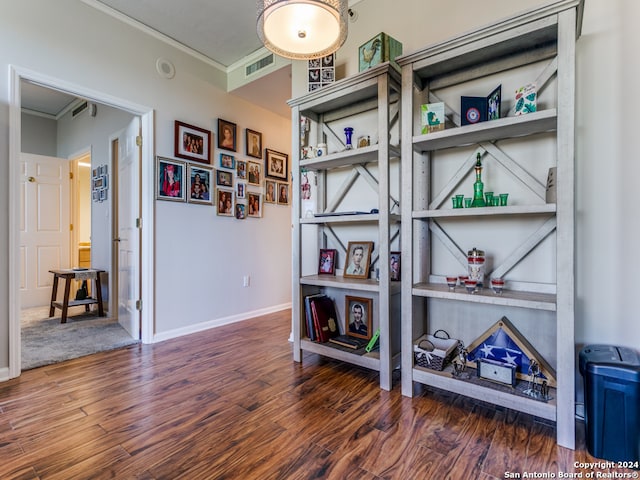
{"x": 529, "y": 243}
{"x": 371, "y": 101}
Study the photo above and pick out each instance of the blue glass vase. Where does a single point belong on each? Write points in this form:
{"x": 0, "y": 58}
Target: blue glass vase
{"x": 348, "y": 132}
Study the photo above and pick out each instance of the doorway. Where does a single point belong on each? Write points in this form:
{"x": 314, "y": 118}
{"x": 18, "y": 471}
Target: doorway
{"x": 145, "y": 190}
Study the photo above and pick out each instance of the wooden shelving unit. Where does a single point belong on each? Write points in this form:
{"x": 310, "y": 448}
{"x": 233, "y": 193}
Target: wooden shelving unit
{"x": 534, "y": 47}
{"x": 372, "y": 98}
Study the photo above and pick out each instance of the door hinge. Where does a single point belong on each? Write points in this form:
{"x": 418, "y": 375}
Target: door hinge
{"x": 139, "y": 305}
{"x": 70, "y": 175}
{"x": 139, "y": 140}
{"x": 71, "y": 227}
{"x": 138, "y": 223}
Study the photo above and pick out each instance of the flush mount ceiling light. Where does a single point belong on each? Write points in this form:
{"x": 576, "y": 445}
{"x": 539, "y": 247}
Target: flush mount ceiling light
{"x": 302, "y": 29}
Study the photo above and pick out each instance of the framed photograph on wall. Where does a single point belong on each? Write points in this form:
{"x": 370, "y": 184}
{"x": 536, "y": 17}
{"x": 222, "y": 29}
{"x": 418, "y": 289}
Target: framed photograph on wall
{"x": 200, "y": 184}
{"x": 227, "y": 161}
{"x": 170, "y": 178}
{"x": 253, "y": 143}
{"x": 358, "y": 258}
{"x": 276, "y": 165}
{"x": 192, "y": 143}
{"x": 241, "y": 169}
{"x": 224, "y": 178}
{"x": 255, "y": 173}
{"x": 270, "y": 188}
{"x": 241, "y": 190}
{"x": 224, "y": 202}
{"x": 226, "y": 135}
{"x": 255, "y": 204}
{"x": 283, "y": 193}
{"x": 358, "y": 317}
{"x": 327, "y": 263}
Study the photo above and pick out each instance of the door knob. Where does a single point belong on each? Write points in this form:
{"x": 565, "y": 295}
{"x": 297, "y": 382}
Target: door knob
{"x": 31, "y": 179}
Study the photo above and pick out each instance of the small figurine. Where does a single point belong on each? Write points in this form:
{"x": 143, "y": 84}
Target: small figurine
{"x": 460, "y": 362}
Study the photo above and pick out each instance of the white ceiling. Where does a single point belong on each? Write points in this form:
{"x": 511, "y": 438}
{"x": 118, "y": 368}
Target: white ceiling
{"x": 223, "y": 31}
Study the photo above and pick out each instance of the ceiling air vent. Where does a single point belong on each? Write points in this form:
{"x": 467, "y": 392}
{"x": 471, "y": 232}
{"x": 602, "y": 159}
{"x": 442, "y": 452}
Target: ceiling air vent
{"x": 79, "y": 109}
{"x": 258, "y": 65}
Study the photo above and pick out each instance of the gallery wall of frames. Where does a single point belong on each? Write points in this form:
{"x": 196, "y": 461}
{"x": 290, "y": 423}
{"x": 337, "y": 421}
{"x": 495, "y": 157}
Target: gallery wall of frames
{"x": 237, "y": 184}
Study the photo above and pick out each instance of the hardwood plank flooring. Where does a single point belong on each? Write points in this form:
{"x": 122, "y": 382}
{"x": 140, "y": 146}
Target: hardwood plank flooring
{"x": 230, "y": 403}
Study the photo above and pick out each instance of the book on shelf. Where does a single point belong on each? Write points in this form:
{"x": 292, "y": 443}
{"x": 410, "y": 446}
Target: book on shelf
{"x": 321, "y": 318}
{"x": 349, "y": 342}
{"x": 311, "y": 330}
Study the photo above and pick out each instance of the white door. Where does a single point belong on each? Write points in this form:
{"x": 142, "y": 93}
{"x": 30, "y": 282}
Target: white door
{"x": 128, "y": 235}
{"x": 44, "y": 225}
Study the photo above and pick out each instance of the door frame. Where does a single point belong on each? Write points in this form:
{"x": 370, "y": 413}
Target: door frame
{"x": 147, "y": 254}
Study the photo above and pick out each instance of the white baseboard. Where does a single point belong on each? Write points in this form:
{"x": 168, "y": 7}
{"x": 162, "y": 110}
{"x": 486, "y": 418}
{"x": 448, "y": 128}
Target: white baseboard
{"x": 218, "y": 322}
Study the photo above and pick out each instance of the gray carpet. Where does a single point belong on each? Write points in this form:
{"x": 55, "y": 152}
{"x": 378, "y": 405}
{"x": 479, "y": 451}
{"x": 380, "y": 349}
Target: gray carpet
{"x": 46, "y": 340}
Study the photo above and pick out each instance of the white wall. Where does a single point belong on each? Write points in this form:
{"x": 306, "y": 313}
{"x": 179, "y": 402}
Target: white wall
{"x": 200, "y": 256}
{"x": 607, "y": 224}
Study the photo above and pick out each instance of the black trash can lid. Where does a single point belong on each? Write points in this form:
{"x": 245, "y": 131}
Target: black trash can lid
{"x": 612, "y": 361}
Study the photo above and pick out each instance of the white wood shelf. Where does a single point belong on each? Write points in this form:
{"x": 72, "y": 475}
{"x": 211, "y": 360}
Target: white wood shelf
{"x": 508, "y": 298}
{"x": 355, "y": 357}
{"x": 347, "y": 157}
{"x": 509, "y": 127}
{"x": 337, "y": 281}
{"x": 351, "y": 218}
{"x": 545, "y": 208}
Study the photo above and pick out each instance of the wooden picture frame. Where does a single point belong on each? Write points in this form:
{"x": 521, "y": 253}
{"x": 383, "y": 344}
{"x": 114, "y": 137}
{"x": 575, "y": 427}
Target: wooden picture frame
{"x": 394, "y": 266}
{"x": 283, "y": 193}
{"x": 254, "y": 174}
{"x": 253, "y": 143}
{"x": 358, "y": 259}
{"x": 224, "y": 178}
{"x": 227, "y": 135}
{"x": 192, "y": 143}
{"x": 254, "y": 204}
{"x": 200, "y": 184}
{"x": 358, "y": 313}
{"x": 170, "y": 176}
{"x": 276, "y": 165}
{"x": 270, "y": 191}
{"x": 327, "y": 261}
{"x": 224, "y": 202}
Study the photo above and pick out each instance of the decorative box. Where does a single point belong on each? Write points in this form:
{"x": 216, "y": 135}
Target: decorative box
{"x": 381, "y": 48}
{"x": 433, "y": 351}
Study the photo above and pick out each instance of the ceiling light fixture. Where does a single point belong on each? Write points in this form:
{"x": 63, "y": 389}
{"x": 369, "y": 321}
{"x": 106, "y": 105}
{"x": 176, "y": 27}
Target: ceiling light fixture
{"x": 302, "y": 29}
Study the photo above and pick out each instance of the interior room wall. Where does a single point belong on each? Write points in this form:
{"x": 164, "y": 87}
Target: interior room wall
{"x": 201, "y": 258}
{"x": 39, "y": 135}
{"x": 607, "y": 226}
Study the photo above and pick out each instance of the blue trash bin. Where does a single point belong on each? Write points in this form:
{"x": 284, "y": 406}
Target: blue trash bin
{"x": 612, "y": 401}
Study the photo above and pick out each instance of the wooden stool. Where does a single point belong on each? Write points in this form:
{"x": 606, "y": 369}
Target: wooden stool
{"x": 69, "y": 275}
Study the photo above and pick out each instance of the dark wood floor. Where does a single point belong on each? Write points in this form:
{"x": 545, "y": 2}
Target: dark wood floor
{"x": 230, "y": 403}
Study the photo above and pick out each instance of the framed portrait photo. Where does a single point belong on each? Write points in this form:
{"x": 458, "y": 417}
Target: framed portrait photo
{"x": 276, "y": 165}
{"x": 254, "y": 174}
{"x": 241, "y": 211}
{"x": 199, "y": 184}
{"x": 358, "y": 317}
{"x": 241, "y": 190}
{"x": 192, "y": 143}
{"x": 254, "y": 207}
{"x": 226, "y": 135}
{"x": 358, "y": 258}
{"x": 170, "y": 180}
{"x": 224, "y": 178}
{"x": 227, "y": 161}
{"x": 253, "y": 143}
{"x": 270, "y": 191}
{"x": 327, "y": 262}
{"x": 283, "y": 193}
{"x": 241, "y": 169}
{"x": 394, "y": 266}
{"x": 224, "y": 202}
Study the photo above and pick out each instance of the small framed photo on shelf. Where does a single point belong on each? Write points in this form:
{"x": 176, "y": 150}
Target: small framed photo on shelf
{"x": 200, "y": 184}
{"x": 253, "y": 143}
{"x": 358, "y": 317}
{"x": 227, "y": 161}
{"x": 192, "y": 143}
{"x": 225, "y": 202}
{"x": 327, "y": 263}
{"x": 170, "y": 180}
{"x": 283, "y": 193}
{"x": 255, "y": 204}
{"x": 394, "y": 266}
{"x": 270, "y": 191}
{"x": 358, "y": 258}
{"x": 276, "y": 165}
{"x": 224, "y": 178}
{"x": 255, "y": 173}
{"x": 226, "y": 135}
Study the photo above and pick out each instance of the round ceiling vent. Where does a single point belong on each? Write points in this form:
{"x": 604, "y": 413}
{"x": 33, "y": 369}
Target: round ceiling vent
{"x": 165, "y": 68}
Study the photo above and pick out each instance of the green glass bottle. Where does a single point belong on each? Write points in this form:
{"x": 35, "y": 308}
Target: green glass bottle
{"x": 478, "y": 187}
